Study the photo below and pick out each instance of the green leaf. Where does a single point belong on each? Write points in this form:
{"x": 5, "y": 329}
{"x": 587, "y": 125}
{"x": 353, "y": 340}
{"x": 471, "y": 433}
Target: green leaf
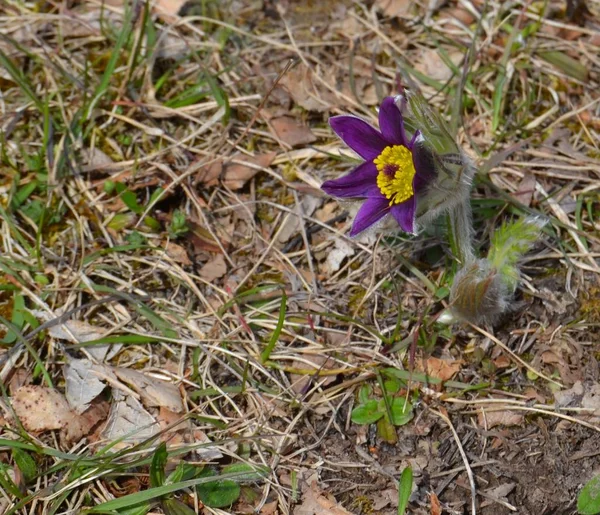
{"x": 141, "y": 509}
{"x": 175, "y": 507}
{"x": 404, "y": 489}
{"x": 566, "y": 64}
{"x": 402, "y": 411}
{"x": 253, "y": 472}
{"x": 218, "y": 494}
{"x": 364, "y": 394}
{"x": 588, "y": 501}
{"x": 367, "y": 413}
{"x": 183, "y": 472}
{"x": 264, "y": 355}
{"x": 509, "y": 243}
{"x": 157, "y": 467}
{"x": 26, "y": 464}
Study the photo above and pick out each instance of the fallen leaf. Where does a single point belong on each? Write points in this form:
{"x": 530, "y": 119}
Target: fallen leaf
{"x": 290, "y": 131}
{"x": 300, "y": 85}
{"x": 129, "y": 421}
{"x": 94, "y": 158}
{"x": 293, "y": 223}
{"x": 434, "y": 67}
{"x": 524, "y": 193}
{"x": 209, "y": 174}
{"x": 443, "y": 369}
{"x": 315, "y": 362}
{"x": 40, "y": 408}
{"x": 500, "y": 418}
{"x": 269, "y": 508}
{"x": 77, "y": 331}
{"x": 154, "y": 392}
{"x": 394, "y": 8}
{"x": 436, "y": 507}
{"x": 82, "y": 384}
{"x": 177, "y": 253}
{"x": 238, "y": 174}
{"x": 214, "y": 269}
{"x": 341, "y": 250}
{"x": 168, "y": 10}
{"x": 316, "y": 502}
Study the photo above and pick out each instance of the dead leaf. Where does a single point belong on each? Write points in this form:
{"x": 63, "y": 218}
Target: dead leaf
{"x": 95, "y": 159}
{"x": 214, "y": 269}
{"x": 443, "y": 369}
{"x": 341, "y": 250}
{"x": 316, "y": 362}
{"x": 168, "y": 10}
{"x": 290, "y": 131}
{"x": 82, "y": 384}
{"x": 436, "y": 507}
{"x": 129, "y": 421}
{"x": 394, "y": 8}
{"x": 500, "y": 418}
{"x": 526, "y": 189}
{"x": 434, "y": 66}
{"x": 269, "y": 508}
{"x": 40, "y": 408}
{"x": 236, "y": 174}
{"x": 177, "y": 253}
{"x": 294, "y": 223}
{"x": 154, "y": 392}
{"x": 77, "y": 331}
{"x": 303, "y": 89}
{"x": 209, "y": 174}
{"x": 316, "y": 502}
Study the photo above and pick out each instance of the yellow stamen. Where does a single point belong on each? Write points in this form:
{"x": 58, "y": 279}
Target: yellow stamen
{"x": 396, "y": 173}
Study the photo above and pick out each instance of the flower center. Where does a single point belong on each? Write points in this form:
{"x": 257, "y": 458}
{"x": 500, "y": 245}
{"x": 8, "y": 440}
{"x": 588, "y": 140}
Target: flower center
{"x": 396, "y": 173}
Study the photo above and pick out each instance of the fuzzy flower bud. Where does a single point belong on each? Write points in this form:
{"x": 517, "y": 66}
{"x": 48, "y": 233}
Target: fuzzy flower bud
{"x": 482, "y": 289}
{"x": 479, "y": 294}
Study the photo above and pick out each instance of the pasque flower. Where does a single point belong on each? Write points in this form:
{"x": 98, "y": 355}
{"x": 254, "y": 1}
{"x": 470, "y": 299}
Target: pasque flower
{"x": 395, "y": 173}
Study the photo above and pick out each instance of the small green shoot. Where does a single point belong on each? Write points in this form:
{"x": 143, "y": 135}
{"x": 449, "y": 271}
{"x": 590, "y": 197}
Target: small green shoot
{"x": 404, "y": 489}
{"x": 588, "y": 500}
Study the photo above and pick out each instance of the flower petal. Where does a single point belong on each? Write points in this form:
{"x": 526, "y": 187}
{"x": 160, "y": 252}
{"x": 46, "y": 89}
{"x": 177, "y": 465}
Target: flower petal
{"x": 424, "y": 167}
{"x": 404, "y": 213}
{"x": 372, "y": 210}
{"x": 360, "y": 182}
{"x": 391, "y": 122}
{"x": 365, "y": 140}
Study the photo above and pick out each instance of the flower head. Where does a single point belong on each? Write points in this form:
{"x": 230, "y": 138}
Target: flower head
{"x": 395, "y": 173}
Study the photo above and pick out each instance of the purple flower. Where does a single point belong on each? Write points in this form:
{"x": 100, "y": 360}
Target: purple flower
{"x": 395, "y": 173}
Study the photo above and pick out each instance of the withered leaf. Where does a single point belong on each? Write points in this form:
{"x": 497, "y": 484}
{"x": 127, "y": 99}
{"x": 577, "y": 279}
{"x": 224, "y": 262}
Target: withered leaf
{"x": 214, "y": 269}
{"x": 238, "y": 174}
{"x": 290, "y": 131}
{"x": 154, "y": 392}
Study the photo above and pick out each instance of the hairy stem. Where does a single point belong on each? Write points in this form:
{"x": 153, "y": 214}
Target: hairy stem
{"x": 461, "y": 232}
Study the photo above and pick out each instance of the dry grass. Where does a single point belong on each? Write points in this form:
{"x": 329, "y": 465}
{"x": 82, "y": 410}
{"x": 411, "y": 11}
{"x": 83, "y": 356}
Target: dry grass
{"x": 148, "y": 192}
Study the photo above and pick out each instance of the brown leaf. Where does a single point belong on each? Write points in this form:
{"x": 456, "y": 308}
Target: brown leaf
{"x": 40, "y": 408}
{"x": 443, "y": 369}
{"x": 394, "y": 8}
{"x": 214, "y": 269}
{"x": 500, "y": 418}
{"x": 288, "y": 130}
{"x": 209, "y": 174}
{"x": 236, "y": 174}
{"x": 177, "y": 253}
{"x": 168, "y": 10}
{"x": 436, "y": 507}
{"x": 154, "y": 392}
{"x": 300, "y": 85}
{"x": 128, "y": 421}
{"x": 316, "y": 502}
{"x": 526, "y": 189}
{"x": 434, "y": 66}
